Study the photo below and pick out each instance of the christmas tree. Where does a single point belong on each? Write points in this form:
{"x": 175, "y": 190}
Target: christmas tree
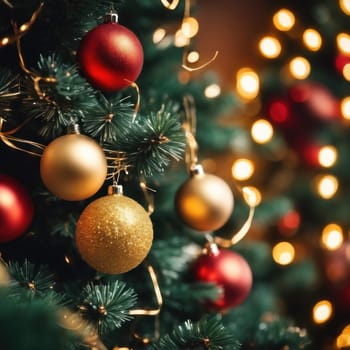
{"x": 131, "y": 214}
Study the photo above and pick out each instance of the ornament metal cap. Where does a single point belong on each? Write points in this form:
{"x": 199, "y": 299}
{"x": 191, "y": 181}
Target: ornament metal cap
{"x": 111, "y": 17}
{"x": 196, "y": 169}
{"x": 115, "y": 189}
{"x": 211, "y": 249}
{"x": 73, "y": 129}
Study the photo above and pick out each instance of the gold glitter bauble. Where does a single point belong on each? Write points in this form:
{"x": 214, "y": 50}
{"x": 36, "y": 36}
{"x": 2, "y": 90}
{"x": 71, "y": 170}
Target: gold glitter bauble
{"x": 114, "y": 234}
{"x": 204, "y": 202}
{"x": 73, "y": 167}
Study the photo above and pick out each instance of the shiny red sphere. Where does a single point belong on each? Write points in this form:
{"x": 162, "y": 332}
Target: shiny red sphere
{"x": 16, "y": 209}
{"x": 229, "y": 271}
{"x": 110, "y": 57}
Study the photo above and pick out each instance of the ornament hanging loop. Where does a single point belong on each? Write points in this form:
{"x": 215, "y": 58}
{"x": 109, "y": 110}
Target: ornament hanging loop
{"x": 111, "y": 17}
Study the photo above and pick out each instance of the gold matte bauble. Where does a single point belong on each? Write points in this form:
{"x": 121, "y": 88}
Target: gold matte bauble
{"x": 73, "y": 167}
{"x": 114, "y": 234}
{"x": 204, "y": 202}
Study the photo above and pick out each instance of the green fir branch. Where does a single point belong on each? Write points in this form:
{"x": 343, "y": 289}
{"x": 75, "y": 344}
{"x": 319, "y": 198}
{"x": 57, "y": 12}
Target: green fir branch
{"x": 61, "y": 102}
{"x": 208, "y": 333}
{"x": 34, "y": 280}
{"x": 108, "y": 119}
{"x": 107, "y": 306}
{"x": 276, "y": 333}
{"x": 9, "y": 90}
{"x": 153, "y": 141}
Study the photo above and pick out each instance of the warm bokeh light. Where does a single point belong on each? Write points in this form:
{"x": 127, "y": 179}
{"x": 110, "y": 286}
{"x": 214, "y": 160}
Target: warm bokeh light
{"x": 327, "y": 186}
{"x": 289, "y": 223}
{"x": 345, "y": 107}
{"x": 193, "y": 57}
{"x": 247, "y": 83}
{"x": 212, "y": 91}
{"x": 343, "y": 340}
{"x": 332, "y": 236}
{"x": 270, "y": 47}
{"x": 262, "y": 131}
{"x": 283, "y": 253}
{"x": 322, "y": 311}
{"x": 312, "y": 39}
{"x": 284, "y": 20}
{"x": 343, "y": 42}
{"x": 299, "y": 67}
{"x": 189, "y": 27}
{"x": 345, "y": 6}
{"x": 180, "y": 39}
{"x": 327, "y": 156}
{"x": 252, "y": 195}
{"x": 346, "y": 71}
{"x": 158, "y": 35}
{"x": 242, "y": 169}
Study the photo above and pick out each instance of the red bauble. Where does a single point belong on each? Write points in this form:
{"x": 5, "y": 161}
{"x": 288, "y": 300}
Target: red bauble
{"x": 110, "y": 56}
{"x": 229, "y": 271}
{"x": 16, "y": 209}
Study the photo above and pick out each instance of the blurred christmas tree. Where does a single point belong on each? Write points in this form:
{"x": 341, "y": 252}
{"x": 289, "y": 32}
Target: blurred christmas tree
{"x": 125, "y": 234}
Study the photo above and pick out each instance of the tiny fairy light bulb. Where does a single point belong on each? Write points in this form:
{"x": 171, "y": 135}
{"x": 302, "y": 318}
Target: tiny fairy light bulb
{"x": 283, "y": 253}
{"x": 247, "y": 83}
{"x": 345, "y": 6}
{"x": 327, "y": 156}
{"x": 242, "y": 169}
{"x": 262, "y": 131}
{"x": 270, "y": 47}
{"x": 343, "y": 42}
{"x": 284, "y": 20}
{"x": 322, "y": 311}
{"x": 327, "y": 186}
{"x": 212, "y": 91}
{"x": 299, "y": 68}
{"x": 345, "y": 107}
{"x": 332, "y": 236}
{"x": 312, "y": 39}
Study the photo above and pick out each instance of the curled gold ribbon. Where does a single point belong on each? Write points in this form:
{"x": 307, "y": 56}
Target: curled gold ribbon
{"x": 10, "y": 141}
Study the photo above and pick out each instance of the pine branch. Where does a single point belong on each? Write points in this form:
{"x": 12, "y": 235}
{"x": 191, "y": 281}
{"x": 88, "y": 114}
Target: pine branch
{"x": 8, "y": 91}
{"x": 275, "y": 334}
{"x": 35, "y": 281}
{"x": 33, "y": 325}
{"x": 208, "y": 333}
{"x": 108, "y": 119}
{"x": 60, "y": 103}
{"x": 107, "y": 306}
{"x": 153, "y": 141}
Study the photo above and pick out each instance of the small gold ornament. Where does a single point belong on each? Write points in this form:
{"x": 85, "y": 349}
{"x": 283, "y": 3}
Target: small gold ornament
{"x": 73, "y": 167}
{"x": 204, "y": 202}
{"x": 114, "y": 233}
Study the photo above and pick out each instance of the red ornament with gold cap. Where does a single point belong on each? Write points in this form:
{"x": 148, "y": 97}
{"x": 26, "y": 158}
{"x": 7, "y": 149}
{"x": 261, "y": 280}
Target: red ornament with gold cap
{"x": 227, "y": 270}
{"x": 110, "y": 55}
